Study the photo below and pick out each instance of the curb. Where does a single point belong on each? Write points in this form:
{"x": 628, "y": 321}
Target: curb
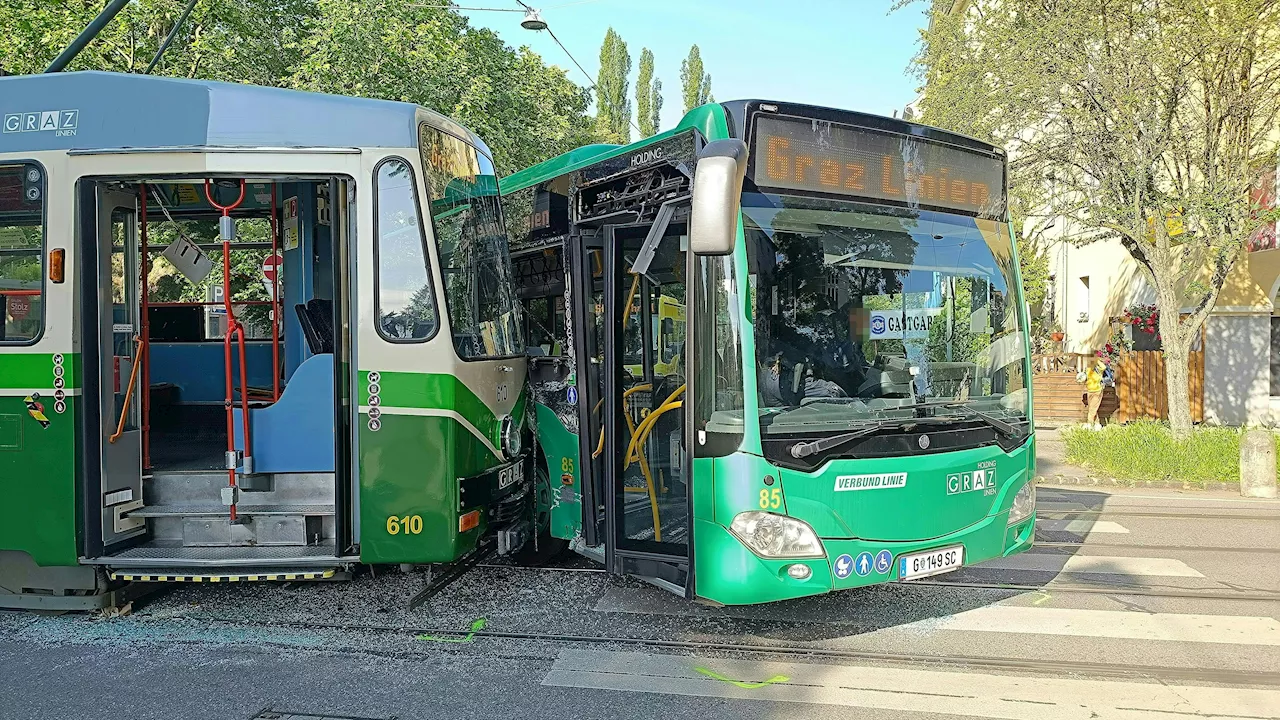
{"x": 1096, "y": 481}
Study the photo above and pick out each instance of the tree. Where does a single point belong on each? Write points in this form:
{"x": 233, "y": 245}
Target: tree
{"x": 648, "y": 96}
{"x": 695, "y": 84}
{"x": 613, "y": 110}
{"x": 1147, "y": 121}
{"x": 236, "y": 40}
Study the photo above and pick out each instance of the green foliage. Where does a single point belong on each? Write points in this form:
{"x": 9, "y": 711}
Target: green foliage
{"x": 695, "y": 82}
{"x": 648, "y": 96}
{"x": 613, "y": 111}
{"x": 169, "y": 285}
{"x": 524, "y": 109}
{"x": 236, "y": 40}
{"x": 1148, "y": 451}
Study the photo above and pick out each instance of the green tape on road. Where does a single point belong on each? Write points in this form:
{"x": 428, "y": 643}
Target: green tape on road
{"x": 476, "y": 627}
{"x": 745, "y": 685}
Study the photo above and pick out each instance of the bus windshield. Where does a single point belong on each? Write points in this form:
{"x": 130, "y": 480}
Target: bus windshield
{"x": 864, "y": 312}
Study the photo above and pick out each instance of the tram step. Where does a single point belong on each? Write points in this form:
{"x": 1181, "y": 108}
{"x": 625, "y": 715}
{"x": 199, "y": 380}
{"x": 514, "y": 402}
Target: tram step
{"x": 205, "y": 487}
{"x": 244, "y": 508}
{"x": 246, "y": 574}
{"x": 170, "y": 554}
{"x": 206, "y": 531}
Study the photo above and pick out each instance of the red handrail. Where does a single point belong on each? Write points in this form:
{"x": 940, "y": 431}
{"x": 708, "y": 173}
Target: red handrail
{"x": 20, "y": 293}
{"x": 275, "y": 303}
{"x": 234, "y": 329}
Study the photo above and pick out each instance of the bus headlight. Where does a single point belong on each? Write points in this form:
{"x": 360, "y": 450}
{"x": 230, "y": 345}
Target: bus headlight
{"x": 776, "y": 536}
{"x": 1024, "y": 503}
{"x": 510, "y": 436}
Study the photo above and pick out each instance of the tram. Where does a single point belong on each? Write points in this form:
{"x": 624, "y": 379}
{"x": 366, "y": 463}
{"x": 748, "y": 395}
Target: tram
{"x": 849, "y": 399}
{"x": 248, "y": 334}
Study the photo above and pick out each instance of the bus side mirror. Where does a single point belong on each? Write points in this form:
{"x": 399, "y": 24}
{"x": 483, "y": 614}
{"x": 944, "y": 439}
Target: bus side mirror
{"x": 717, "y": 189}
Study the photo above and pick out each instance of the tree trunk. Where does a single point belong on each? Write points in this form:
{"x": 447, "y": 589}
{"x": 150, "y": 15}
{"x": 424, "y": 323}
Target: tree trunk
{"x": 1177, "y": 377}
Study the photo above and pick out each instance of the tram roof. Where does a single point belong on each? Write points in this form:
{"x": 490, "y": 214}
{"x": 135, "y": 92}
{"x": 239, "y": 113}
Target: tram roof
{"x": 92, "y": 110}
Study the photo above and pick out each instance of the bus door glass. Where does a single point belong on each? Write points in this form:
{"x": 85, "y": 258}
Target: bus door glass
{"x": 586, "y": 273}
{"x": 120, "y": 375}
{"x": 644, "y": 396}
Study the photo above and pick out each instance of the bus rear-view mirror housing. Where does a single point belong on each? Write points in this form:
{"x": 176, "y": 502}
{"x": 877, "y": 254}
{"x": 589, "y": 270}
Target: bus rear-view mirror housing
{"x": 717, "y": 186}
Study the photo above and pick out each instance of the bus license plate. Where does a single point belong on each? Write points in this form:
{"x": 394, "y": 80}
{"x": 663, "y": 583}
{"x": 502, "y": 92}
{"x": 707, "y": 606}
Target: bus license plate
{"x": 933, "y": 562}
{"x": 509, "y": 476}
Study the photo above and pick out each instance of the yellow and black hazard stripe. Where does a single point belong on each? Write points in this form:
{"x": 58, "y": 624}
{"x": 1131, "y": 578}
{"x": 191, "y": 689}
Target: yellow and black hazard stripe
{"x": 224, "y": 577}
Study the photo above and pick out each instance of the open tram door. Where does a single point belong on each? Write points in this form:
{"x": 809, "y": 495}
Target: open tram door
{"x": 643, "y": 406}
{"x": 118, "y": 340}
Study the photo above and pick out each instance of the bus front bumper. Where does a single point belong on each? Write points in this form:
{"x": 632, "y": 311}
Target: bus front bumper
{"x": 728, "y": 573}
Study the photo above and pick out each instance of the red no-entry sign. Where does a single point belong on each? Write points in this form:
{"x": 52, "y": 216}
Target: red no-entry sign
{"x": 271, "y": 267}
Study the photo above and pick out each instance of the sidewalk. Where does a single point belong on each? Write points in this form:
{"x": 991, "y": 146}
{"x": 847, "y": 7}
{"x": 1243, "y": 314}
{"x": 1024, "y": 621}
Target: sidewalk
{"x": 1052, "y": 468}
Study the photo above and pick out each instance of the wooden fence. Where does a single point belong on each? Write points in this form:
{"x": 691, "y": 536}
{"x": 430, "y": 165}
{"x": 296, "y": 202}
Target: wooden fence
{"x": 1142, "y": 390}
{"x": 1139, "y": 392}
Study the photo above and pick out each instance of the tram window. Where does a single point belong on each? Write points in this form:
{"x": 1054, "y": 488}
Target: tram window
{"x": 406, "y": 306}
{"x": 479, "y": 286}
{"x": 22, "y": 191}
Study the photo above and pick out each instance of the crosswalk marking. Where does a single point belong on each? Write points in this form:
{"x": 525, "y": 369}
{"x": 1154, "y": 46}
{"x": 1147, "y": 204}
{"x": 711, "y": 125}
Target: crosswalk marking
{"x": 1082, "y": 527}
{"x": 1094, "y": 565}
{"x": 893, "y": 688}
{"x": 1228, "y": 629}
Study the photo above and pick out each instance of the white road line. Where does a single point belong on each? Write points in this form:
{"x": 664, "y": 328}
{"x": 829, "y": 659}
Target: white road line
{"x": 891, "y": 688}
{"x": 1185, "y": 500}
{"x": 1228, "y": 629}
{"x": 1093, "y": 565}
{"x": 1082, "y": 527}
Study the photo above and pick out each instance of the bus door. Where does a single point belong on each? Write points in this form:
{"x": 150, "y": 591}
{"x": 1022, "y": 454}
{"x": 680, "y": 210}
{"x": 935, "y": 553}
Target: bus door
{"x": 587, "y": 278}
{"x": 644, "y": 460}
{"x": 118, "y": 429}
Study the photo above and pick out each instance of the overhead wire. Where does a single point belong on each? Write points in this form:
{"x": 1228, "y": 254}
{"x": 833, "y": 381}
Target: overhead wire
{"x": 585, "y": 74}
{"x": 526, "y": 7}
{"x": 589, "y": 80}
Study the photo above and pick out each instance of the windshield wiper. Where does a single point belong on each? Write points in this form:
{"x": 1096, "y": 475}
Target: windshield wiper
{"x": 1001, "y": 426}
{"x": 805, "y": 449}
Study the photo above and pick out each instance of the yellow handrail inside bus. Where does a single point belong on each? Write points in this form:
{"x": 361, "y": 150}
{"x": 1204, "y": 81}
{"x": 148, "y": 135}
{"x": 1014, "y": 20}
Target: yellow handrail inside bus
{"x": 641, "y": 435}
{"x": 600, "y": 444}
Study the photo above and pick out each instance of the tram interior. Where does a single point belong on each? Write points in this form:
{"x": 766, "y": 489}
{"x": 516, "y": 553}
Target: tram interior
{"x": 282, "y": 282}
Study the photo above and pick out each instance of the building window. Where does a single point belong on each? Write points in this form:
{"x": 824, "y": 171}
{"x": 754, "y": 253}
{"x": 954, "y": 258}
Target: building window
{"x": 1082, "y": 300}
{"x": 406, "y": 305}
{"x": 22, "y": 191}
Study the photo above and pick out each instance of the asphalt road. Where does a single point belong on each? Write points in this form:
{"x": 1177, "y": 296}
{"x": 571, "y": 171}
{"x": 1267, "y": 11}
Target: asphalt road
{"x": 1135, "y": 605}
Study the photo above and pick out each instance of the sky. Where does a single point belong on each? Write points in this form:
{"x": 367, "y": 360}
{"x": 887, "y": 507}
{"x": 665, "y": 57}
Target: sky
{"x": 848, "y": 54}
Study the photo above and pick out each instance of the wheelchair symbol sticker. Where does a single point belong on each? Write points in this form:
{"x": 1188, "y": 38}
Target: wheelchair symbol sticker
{"x": 884, "y": 561}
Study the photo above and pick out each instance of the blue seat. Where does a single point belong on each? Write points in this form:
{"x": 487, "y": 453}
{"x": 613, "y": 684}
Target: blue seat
{"x": 296, "y": 434}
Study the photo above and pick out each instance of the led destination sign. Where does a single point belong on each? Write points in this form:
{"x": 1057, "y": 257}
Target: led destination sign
{"x": 826, "y": 157}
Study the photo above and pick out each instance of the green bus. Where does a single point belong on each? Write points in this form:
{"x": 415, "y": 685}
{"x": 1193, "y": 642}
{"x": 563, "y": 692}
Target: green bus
{"x": 852, "y": 402}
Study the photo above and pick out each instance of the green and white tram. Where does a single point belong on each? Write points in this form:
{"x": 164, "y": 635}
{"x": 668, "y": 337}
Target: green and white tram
{"x": 847, "y": 402}
{"x": 248, "y": 333}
